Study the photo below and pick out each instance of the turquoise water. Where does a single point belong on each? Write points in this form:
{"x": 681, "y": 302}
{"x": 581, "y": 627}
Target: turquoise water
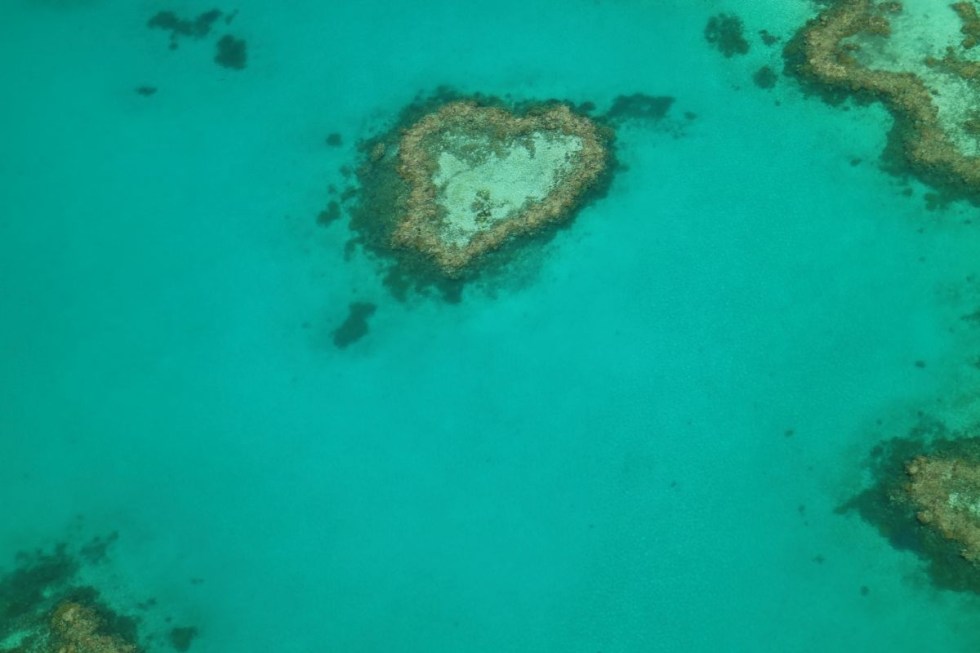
{"x": 635, "y": 442}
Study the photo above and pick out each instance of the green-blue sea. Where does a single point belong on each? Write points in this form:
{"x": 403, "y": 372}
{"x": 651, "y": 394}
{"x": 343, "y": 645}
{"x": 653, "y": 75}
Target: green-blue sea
{"x": 632, "y": 440}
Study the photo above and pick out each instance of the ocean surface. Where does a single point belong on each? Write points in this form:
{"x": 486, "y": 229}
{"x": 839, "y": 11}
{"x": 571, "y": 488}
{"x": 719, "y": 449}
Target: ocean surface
{"x": 634, "y": 442}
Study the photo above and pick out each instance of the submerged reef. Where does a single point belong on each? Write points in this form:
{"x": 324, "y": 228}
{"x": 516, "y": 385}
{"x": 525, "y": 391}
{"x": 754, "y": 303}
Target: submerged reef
{"x": 765, "y": 77}
{"x": 45, "y": 609}
{"x": 913, "y": 58}
{"x": 726, "y": 33}
{"x": 458, "y": 180}
{"x": 79, "y": 628}
{"x": 480, "y": 175}
{"x": 925, "y": 498}
{"x": 355, "y": 326}
{"x": 946, "y": 490}
{"x": 53, "y": 602}
{"x": 184, "y": 27}
{"x": 231, "y": 52}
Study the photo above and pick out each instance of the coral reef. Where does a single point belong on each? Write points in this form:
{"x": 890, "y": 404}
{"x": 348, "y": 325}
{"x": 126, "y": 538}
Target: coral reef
{"x": 925, "y": 497}
{"x": 479, "y": 176}
{"x": 355, "y": 326}
{"x": 329, "y": 214}
{"x": 946, "y": 492}
{"x": 231, "y": 52}
{"x": 180, "y": 27}
{"x": 459, "y": 183}
{"x": 764, "y": 77}
{"x": 971, "y": 23}
{"x": 50, "y": 603}
{"x": 78, "y": 628}
{"x": 182, "y": 637}
{"x": 639, "y": 106}
{"x": 725, "y": 32}
{"x": 874, "y": 52}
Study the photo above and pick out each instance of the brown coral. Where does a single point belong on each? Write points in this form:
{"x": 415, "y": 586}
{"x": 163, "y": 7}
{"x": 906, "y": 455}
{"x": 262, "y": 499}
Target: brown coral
{"x": 819, "y": 55}
{"x": 78, "y": 628}
{"x": 971, "y": 23}
{"x": 422, "y": 226}
{"x": 946, "y": 494}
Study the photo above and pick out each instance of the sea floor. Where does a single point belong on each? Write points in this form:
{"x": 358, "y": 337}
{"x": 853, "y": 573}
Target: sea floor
{"x": 634, "y": 440}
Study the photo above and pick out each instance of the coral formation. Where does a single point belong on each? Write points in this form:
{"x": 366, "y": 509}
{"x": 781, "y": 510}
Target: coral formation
{"x": 46, "y": 605}
{"x": 971, "y": 23}
{"x": 355, "y": 326}
{"x": 639, "y": 106}
{"x": 231, "y": 52}
{"x": 946, "y": 492}
{"x": 764, "y": 77}
{"x": 182, "y": 637}
{"x": 77, "y": 628}
{"x": 481, "y": 175}
{"x": 725, "y": 32}
{"x": 886, "y": 52}
{"x": 178, "y": 27}
{"x": 459, "y": 182}
{"x": 926, "y": 498}
{"x": 329, "y": 214}
{"x": 767, "y": 38}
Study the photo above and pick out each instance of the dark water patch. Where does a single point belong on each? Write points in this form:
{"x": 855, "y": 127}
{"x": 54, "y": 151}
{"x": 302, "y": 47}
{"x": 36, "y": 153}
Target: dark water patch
{"x": 329, "y": 215}
{"x": 726, "y": 33}
{"x": 349, "y": 193}
{"x": 178, "y": 27}
{"x": 146, "y": 91}
{"x": 334, "y": 140}
{"x": 767, "y": 38}
{"x": 182, "y": 637}
{"x": 973, "y": 317}
{"x": 37, "y": 576}
{"x": 231, "y": 52}
{"x": 639, "y": 106}
{"x": 96, "y": 550}
{"x": 355, "y": 326}
{"x": 765, "y": 77}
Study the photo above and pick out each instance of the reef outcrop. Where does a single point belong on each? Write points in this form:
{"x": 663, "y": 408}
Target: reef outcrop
{"x": 946, "y": 492}
{"x": 913, "y": 60}
{"x": 458, "y": 178}
{"x": 480, "y": 175}
{"x": 47, "y": 605}
{"x": 926, "y": 498}
{"x": 78, "y": 628}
